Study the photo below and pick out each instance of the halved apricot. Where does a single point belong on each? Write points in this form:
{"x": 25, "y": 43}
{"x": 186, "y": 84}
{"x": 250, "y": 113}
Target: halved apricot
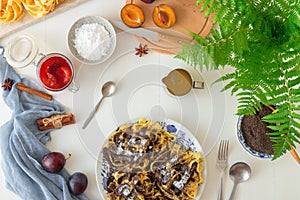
{"x": 164, "y": 16}
{"x": 132, "y": 15}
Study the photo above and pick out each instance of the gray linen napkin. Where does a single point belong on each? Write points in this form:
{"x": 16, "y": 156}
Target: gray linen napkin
{"x": 22, "y": 145}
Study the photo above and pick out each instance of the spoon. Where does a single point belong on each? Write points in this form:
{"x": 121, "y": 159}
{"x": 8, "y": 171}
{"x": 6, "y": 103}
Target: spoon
{"x": 239, "y": 172}
{"x": 108, "y": 89}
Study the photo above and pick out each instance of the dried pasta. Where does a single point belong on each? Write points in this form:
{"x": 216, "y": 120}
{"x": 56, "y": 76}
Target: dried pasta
{"x": 10, "y": 11}
{"x": 146, "y": 163}
{"x": 40, "y": 8}
{"x": 13, "y": 10}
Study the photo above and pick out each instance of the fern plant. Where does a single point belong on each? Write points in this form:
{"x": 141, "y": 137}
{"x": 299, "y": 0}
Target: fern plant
{"x": 261, "y": 41}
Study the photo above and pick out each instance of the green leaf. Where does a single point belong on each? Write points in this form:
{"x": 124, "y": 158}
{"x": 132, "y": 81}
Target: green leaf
{"x": 295, "y": 115}
{"x": 294, "y": 91}
{"x": 276, "y": 116}
{"x": 279, "y": 128}
{"x": 296, "y": 124}
{"x": 277, "y": 134}
{"x": 228, "y": 86}
{"x": 198, "y": 38}
{"x": 280, "y": 120}
{"x": 204, "y": 6}
{"x": 295, "y": 98}
{"x": 279, "y": 150}
{"x": 295, "y": 107}
{"x": 293, "y": 83}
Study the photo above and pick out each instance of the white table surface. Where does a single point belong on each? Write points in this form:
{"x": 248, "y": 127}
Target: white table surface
{"x": 270, "y": 180}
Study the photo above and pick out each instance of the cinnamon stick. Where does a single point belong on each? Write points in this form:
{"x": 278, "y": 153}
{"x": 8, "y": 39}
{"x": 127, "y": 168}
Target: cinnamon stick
{"x": 55, "y": 121}
{"x": 66, "y": 118}
{"x": 24, "y": 88}
{"x": 50, "y": 126}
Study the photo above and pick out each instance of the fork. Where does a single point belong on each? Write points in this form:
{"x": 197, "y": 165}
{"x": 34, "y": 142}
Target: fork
{"x": 222, "y": 161}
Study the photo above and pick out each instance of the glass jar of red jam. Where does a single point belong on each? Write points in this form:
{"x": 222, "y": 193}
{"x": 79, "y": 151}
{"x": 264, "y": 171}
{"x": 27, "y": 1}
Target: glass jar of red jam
{"x": 55, "y": 71}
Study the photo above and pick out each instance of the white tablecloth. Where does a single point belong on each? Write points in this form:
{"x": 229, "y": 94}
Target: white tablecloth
{"x": 270, "y": 180}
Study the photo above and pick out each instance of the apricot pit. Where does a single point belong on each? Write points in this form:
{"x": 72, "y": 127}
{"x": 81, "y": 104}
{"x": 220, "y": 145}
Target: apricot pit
{"x": 164, "y": 16}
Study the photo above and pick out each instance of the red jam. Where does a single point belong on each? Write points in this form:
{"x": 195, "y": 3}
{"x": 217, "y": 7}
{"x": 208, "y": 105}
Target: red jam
{"x": 55, "y": 73}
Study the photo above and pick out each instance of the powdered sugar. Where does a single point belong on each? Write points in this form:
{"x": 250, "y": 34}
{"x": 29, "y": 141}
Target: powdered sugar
{"x": 92, "y": 41}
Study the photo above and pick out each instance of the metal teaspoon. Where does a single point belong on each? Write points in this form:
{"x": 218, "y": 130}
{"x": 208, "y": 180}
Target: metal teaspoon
{"x": 239, "y": 172}
{"x": 108, "y": 89}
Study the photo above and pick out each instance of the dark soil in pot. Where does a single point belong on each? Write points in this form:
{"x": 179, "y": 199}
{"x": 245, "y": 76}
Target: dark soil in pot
{"x": 255, "y": 131}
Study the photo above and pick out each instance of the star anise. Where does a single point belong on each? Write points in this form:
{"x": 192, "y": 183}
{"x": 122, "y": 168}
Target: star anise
{"x": 141, "y": 50}
{"x": 8, "y": 84}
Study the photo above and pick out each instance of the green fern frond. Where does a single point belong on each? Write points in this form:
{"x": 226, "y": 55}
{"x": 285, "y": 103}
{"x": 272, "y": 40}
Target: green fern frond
{"x": 198, "y": 38}
{"x": 293, "y": 73}
{"x": 295, "y": 107}
{"x": 295, "y": 115}
{"x": 194, "y": 56}
{"x": 295, "y": 124}
{"x": 261, "y": 41}
{"x": 295, "y": 98}
{"x": 289, "y": 121}
{"x": 280, "y": 127}
{"x": 293, "y": 82}
{"x": 279, "y": 117}
{"x": 245, "y": 109}
{"x": 208, "y": 6}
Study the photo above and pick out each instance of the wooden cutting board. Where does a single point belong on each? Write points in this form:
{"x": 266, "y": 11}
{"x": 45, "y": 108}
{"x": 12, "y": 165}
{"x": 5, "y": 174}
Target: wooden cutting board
{"x": 28, "y": 20}
{"x": 188, "y": 17}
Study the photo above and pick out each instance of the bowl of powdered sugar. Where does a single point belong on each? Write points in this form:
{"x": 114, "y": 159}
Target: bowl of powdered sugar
{"x": 92, "y": 39}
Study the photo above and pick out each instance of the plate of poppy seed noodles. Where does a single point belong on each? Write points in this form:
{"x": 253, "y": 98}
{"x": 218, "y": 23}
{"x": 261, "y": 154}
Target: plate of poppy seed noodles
{"x": 152, "y": 161}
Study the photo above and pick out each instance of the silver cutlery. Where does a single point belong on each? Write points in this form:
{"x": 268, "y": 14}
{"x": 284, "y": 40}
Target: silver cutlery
{"x": 222, "y": 162}
{"x": 108, "y": 89}
{"x": 239, "y": 172}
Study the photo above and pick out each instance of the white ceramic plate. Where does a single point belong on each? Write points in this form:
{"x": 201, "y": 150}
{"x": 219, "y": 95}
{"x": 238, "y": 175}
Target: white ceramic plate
{"x": 183, "y": 137}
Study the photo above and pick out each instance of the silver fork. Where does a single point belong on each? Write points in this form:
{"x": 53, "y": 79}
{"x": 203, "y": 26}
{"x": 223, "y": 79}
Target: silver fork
{"x": 222, "y": 161}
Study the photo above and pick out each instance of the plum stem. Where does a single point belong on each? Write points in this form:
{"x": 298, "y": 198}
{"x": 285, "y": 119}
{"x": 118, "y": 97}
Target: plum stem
{"x": 69, "y": 156}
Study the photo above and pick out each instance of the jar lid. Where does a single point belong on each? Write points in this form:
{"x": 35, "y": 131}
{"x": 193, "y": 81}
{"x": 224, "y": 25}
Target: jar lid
{"x": 21, "y": 51}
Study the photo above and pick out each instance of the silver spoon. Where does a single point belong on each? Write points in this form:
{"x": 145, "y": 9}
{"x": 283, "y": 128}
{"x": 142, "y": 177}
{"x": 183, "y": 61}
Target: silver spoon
{"x": 108, "y": 89}
{"x": 238, "y": 172}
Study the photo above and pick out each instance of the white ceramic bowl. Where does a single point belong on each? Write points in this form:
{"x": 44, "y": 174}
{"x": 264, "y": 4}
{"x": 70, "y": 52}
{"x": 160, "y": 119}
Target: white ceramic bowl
{"x": 97, "y": 56}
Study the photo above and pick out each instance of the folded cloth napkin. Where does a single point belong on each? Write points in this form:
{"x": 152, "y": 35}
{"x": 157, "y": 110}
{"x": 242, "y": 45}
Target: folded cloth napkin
{"x": 22, "y": 145}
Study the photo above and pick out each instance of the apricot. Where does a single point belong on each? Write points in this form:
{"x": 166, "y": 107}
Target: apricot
{"x": 132, "y": 15}
{"x": 164, "y": 16}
